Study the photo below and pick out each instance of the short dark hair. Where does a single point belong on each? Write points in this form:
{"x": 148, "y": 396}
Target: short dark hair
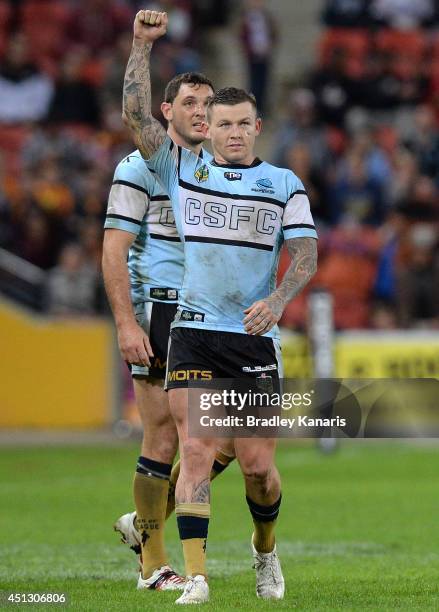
{"x": 231, "y": 96}
{"x": 191, "y": 78}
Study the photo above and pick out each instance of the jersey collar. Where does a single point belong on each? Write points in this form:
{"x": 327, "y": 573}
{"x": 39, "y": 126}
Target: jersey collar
{"x": 255, "y": 162}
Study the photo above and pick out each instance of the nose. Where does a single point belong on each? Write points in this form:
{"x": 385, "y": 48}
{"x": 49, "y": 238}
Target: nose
{"x": 200, "y": 110}
{"x": 235, "y": 131}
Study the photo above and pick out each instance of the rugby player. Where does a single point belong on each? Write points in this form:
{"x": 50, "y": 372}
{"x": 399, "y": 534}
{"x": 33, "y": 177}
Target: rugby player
{"x": 143, "y": 271}
{"x": 232, "y": 212}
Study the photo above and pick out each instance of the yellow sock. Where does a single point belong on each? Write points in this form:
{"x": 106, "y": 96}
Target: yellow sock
{"x": 150, "y": 487}
{"x": 170, "y": 505}
{"x": 264, "y": 520}
{"x": 263, "y": 537}
{"x": 193, "y": 524}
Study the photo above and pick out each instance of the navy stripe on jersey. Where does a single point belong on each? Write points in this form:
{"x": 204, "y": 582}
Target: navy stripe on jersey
{"x": 233, "y": 196}
{"x": 179, "y": 159}
{"x": 132, "y": 185}
{"x": 298, "y": 192}
{"x": 179, "y": 153}
{"x": 240, "y": 243}
{"x": 123, "y": 218}
{"x": 299, "y": 226}
{"x": 161, "y": 237}
{"x": 255, "y": 162}
{"x": 159, "y": 198}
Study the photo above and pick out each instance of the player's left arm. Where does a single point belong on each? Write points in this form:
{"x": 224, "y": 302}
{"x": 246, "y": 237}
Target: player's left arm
{"x": 264, "y": 314}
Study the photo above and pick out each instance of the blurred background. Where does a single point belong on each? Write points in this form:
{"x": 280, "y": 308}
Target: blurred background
{"x": 349, "y": 94}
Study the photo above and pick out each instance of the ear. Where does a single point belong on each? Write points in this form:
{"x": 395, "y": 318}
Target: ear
{"x": 258, "y": 126}
{"x": 166, "y": 108}
{"x": 205, "y": 130}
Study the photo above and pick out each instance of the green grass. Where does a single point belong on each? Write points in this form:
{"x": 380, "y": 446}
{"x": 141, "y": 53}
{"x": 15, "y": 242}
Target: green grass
{"x": 358, "y": 530}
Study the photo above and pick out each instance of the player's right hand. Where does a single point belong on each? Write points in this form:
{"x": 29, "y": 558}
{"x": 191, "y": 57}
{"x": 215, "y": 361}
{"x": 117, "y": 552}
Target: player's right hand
{"x": 134, "y": 344}
{"x": 150, "y": 25}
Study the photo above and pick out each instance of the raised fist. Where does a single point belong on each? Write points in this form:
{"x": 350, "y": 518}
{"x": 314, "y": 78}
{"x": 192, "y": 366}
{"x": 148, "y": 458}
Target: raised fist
{"x": 150, "y": 25}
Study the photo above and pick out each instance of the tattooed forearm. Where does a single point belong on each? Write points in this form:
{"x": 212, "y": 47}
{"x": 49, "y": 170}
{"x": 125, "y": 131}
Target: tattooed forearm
{"x": 201, "y": 494}
{"x": 303, "y": 252}
{"x": 148, "y": 132}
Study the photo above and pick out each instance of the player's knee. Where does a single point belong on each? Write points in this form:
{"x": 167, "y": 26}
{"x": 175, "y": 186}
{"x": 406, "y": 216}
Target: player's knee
{"x": 258, "y": 476}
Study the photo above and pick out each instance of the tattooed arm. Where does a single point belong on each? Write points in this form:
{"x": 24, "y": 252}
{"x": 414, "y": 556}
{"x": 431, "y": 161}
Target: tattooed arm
{"x": 149, "y": 134}
{"x": 264, "y": 314}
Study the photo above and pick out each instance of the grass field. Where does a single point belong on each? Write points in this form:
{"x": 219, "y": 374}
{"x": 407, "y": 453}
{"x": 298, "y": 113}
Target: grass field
{"x": 358, "y": 530}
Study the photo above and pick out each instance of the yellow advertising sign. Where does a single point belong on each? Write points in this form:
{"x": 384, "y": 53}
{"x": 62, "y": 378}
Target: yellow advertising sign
{"x": 54, "y": 373}
{"x": 408, "y": 354}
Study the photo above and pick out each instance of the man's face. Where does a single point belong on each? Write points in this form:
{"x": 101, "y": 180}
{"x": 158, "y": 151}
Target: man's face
{"x": 187, "y": 113}
{"x": 232, "y": 130}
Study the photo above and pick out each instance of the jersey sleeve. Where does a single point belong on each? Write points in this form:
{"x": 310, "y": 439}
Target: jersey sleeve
{"x": 168, "y": 162}
{"x": 129, "y": 195}
{"x": 297, "y": 220}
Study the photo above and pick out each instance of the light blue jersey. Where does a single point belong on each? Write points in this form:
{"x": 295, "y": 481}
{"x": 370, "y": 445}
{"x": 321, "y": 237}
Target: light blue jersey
{"x": 138, "y": 204}
{"x": 233, "y": 220}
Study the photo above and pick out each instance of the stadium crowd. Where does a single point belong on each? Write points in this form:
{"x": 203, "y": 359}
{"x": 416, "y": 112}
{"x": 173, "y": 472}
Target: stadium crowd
{"x": 361, "y": 130}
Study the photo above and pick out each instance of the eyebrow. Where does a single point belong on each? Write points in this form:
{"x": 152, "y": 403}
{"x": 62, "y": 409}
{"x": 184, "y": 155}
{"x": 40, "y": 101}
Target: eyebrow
{"x": 237, "y": 120}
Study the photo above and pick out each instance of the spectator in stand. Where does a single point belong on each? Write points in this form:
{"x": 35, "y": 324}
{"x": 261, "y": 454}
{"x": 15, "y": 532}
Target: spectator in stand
{"x": 75, "y": 100}
{"x": 346, "y": 13}
{"x": 424, "y": 141}
{"x": 49, "y": 191}
{"x": 36, "y": 240}
{"x": 258, "y": 37}
{"x": 90, "y": 238}
{"x": 355, "y": 194}
{"x": 25, "y": 92}
{"x": 364, "y": 144}
{"x": 403, "y": 178}
{"x": 418, "y": 281}
{"x": 301, "y": 125}
{"x": 298, "y": 158}
{"x": 403, "y": 14}
{"x": 334, "y": 89}
{"x": 392, "y": 236}
{"x": 72, "y": 284}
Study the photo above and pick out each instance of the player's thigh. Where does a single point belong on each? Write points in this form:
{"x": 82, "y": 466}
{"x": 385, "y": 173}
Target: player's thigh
{"x": 152, "y": 402}
{"x": 199, "y": 452}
